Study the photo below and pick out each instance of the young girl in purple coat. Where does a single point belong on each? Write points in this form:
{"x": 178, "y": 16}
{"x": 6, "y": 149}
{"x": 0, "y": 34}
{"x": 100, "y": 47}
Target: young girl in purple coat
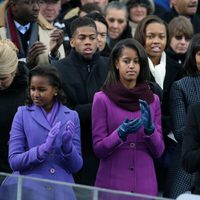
{"x": 126, "y": 124}
{"x": 44, "y": 140}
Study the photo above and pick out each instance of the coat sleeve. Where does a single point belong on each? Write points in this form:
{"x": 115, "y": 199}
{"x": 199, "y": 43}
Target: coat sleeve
{"x": 19, "y": 157}
{"x": 155, "y": 141}
{"x": 191, "y": 141}
{"x": 104, "y": 143}
{"x": 177, "y": 111}
{"x": 74, "y": 159}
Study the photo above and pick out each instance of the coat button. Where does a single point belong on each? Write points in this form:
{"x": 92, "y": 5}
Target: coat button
{"x": 131, "y": 168}
{"x": 49, "y": 188}
{"x": 132, "y": 145}
{"x": 52, "y": 170}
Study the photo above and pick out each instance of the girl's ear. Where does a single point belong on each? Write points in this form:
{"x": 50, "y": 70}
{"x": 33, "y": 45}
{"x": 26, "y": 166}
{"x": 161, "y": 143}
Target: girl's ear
{"x": 117, "y": 64}
{"x": 56, "y": 91}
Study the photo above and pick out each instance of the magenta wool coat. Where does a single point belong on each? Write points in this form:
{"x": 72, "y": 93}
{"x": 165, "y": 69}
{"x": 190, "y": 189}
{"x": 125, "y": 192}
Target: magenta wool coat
{"x": 29, "y": 130}
{"x": 127, "y": 166}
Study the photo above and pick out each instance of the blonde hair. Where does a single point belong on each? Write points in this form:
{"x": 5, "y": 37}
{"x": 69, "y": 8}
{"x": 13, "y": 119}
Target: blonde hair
{"x": 8, "y": 57}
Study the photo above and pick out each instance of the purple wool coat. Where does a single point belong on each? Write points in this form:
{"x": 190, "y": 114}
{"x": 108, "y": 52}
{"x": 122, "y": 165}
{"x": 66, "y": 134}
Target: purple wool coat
{"x": 29, "y": 130}
{"x": 126, "y": 166}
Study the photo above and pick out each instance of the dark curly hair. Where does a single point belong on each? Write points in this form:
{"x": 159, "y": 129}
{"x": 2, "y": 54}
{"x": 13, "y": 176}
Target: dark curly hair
{"x": 50, "y": 72}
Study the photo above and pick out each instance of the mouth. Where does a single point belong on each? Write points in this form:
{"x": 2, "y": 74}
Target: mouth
{"x": 156, "y": 49}
{"x": 87, "y": 50}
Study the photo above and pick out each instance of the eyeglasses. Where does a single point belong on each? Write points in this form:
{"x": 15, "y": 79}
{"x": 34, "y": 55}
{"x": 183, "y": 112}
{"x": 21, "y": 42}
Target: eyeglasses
{"x": 180, "y": 37}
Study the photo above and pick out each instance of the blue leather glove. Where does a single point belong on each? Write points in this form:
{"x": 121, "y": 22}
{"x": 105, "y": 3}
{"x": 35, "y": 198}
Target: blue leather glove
{"x": 146, "y": 117}
{"x": 67, "y": 137}
{"x": 128, "y": 127}
{"x": 45, "y": 148}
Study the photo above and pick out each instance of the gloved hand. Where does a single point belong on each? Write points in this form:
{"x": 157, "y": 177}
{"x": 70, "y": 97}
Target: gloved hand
{"x": 67, "y": 137}
{"x": 47, "y": 147}
{"x": 146, "y": 117}
{"x": 128, "y": 127}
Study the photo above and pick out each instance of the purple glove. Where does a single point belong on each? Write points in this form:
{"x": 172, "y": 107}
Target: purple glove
{"x": 47, "y": 147}
{"x": 67, "y": 137}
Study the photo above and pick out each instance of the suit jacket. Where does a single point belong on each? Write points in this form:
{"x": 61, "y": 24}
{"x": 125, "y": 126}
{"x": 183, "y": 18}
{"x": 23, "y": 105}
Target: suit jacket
{"x": 44, "y": 32}
{"x": 195, "y": 19}
{"x": 191, "y": 146}
{"x": 129, "y": 165}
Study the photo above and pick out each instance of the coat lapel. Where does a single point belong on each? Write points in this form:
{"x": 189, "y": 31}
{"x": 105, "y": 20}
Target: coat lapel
{"x": 62, "y": 115}
{"x": 38, "y": 116}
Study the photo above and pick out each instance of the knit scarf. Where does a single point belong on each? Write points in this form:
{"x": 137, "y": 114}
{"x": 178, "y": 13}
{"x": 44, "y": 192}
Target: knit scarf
{"x": 129, "y": 98}
{"x": 13, "y": 35}
{"x": 51, "y": 116}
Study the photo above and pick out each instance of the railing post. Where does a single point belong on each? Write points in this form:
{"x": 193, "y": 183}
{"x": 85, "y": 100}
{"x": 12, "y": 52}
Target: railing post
{"x": 19, "y": 188}
{"x": 95, "y": 194}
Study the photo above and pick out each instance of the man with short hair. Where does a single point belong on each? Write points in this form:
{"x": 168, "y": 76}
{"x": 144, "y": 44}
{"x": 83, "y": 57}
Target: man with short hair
{"x": 83, "y": 72}
{"x": 37, "y": 41}
{"x": 187, "y": 8}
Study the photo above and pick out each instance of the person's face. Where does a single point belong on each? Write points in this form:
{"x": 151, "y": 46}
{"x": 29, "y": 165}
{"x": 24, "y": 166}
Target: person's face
{"x": 50, "y": 10}
{"x": 197, "y": 58}
{"x": 6, "y": 80}
{"x": 117, "y": 22}
{"x": 101, "y": 3}
{"x": 42, "y": 93}
{"x": 84, "y": 41}
{"x": 129, "y": 67}
{"x": 185, "y": 7}
{"x": 25, "y": 11}
{"x": 156, "y": 39}
{"x": 179, "y": 43}
{"x": 137, "y": 13}
{"x": 101, "y": 35}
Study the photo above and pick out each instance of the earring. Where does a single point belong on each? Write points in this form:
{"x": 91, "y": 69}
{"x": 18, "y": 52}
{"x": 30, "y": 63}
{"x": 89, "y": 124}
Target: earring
{"x": 55, "y": 94}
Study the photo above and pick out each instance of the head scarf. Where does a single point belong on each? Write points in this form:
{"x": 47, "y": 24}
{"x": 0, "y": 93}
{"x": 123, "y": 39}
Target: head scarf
{"x": 8, "y": 57}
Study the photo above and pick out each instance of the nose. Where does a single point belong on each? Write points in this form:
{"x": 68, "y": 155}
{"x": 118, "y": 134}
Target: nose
{"x": 115, "y": 24}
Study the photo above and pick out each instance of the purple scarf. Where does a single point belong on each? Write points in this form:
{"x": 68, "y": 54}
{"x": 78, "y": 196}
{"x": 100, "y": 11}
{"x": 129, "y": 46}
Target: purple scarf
{"x": 51, "y": 116}
{"x": 129, "y": 98}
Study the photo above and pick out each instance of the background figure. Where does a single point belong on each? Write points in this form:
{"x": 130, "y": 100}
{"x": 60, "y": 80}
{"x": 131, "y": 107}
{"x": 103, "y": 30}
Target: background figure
{"x": 38, "y": 42}
{"x": 180, "y": 34}
{"x": 13, "y": 85}
{"x": 83, "y": 72}
{"x": 102, "y": 30}
{"x": 84, "y": 10}
{"x": 116, "y": 15}
{"x": 138, "y": 9}
{"x": 152, "y": 33}
{"x": 50, "y": 9}
{"x": 134, "y": 131}
{"x": 184, "y": 93}
{"x": 44, "y": 138}
{"x": 191, "y": 146}
{"x": 187, "y": 8}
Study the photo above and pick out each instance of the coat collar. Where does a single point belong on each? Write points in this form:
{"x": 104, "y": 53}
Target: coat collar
{"x": 38, "y": 116}
{"x": 41, "y": 20}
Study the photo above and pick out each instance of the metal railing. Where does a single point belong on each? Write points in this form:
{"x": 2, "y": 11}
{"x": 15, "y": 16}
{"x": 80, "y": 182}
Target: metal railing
{"x": 17, "y": 187}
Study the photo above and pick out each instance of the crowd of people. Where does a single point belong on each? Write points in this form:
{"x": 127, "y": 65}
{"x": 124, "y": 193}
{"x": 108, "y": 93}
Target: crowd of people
{"x": 100, "y": 93}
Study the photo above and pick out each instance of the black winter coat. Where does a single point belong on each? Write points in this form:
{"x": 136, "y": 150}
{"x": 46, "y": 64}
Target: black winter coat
{"x": 10, "y": 99}
{"x": 81, "y": 79}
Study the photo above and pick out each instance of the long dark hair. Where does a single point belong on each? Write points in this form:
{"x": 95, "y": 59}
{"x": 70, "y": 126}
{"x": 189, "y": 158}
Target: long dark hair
{"x": 113, "y": 74}
{"x": 50, "y": 72}
{"x": 190, "y": 64}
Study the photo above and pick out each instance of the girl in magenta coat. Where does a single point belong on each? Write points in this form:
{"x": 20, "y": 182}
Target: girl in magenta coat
{"x": 126, "y": 124}
{"x": 44, "y": 140}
